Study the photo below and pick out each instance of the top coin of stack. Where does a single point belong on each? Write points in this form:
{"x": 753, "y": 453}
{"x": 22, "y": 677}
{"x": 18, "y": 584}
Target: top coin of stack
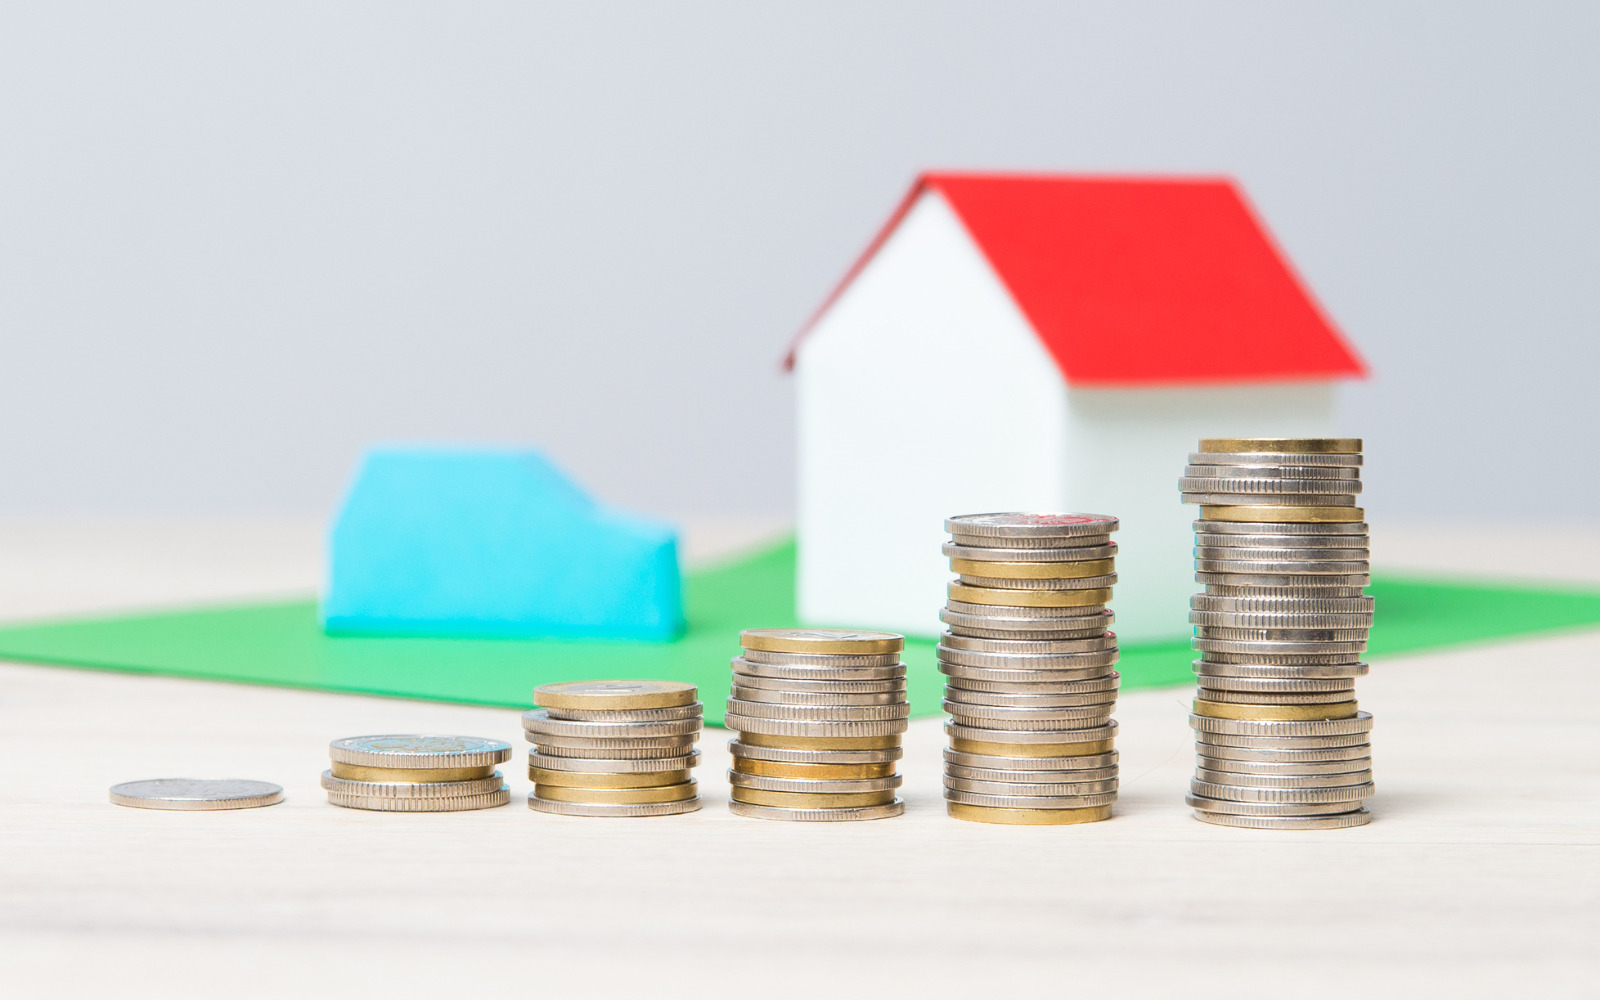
{"x": 613, "y": 748}
{"x": 1282, "y": 550}
{"x": 1030, "y": 686}
{"x": 819, "y": 713}
{"x": 421, "y": 773}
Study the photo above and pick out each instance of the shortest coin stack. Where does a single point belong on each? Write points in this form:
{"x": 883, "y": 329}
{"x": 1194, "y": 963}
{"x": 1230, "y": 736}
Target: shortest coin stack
{"x": 614, "y": 748}
{"x": 421, "y": 773}
{"x": 819, "y": 713}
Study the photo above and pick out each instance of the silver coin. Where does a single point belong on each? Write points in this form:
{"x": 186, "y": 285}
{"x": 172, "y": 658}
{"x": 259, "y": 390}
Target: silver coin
{"x": 1298, "y": 796}
{"x": 677, "y": 712}
{"x": 971, "y": 626}
{"x": 1336, "y": 755}
{"x": 1087, "y": 616}
{"x": 1054, "y": 789}
{"x": 1258, "y": 487}
{"x": 1337, "y": 821}
{"x": 1010, "y": 661}
{"x": 814, "y": 786}
{"x": 1076, "y": 553}
{"x": 1264, "y": 660}
{"x": 1269, "y": 500}
{"x": 1032, "y": 765}
{"x": 196, "y": 794}
{"x": 1207, "y": 767}
{"x": 889, "y": 686}
{"x": 1227, "y": 807}
{"x": 1108, "y": 683}
{"x": 1031, "y": 801}
{"x": 1299, "y": 593}
{"x": 783, "y": 755}
{"x": 817, "y": 699}
{"x": 1300, "y": 567}
{"x": 1279, "y": 540}
{"x": 455, "y": 803}
{"x": 1008, "y": 699}
{"x": 651, "y": 749}
{"x": 1282, "y": 553}
{"x": 1273, "y": 458}
{"x": 816, "y": 713}
{"x": 1278, "y": 671}
{"x": 1277, "y": 685}
{"x": 1298, "y": 744}
{"x": 1054, "y": 583}
{"x": 1275, "y": 648}
{"x": 1253, "y": 779}
{"x": 613, "y": 765}
{"x": 1361, "y": 722}
{"x": 832, "y": 661}
{"x": 1052, "y": 676}
{"x": 1277, "y": 472}
{"x": 1235, "y": 619}
{"x": 423, "y": 750}
{"x": 1028, "y": 718}
{"x": 1024, "y": 543}
{"x": 1309, "y": 528}
{"x": 1305, "y": 584}
{"x": 1093, "y": 644}
{"x": 806, "y": 672}
{"x": 539, "y": 723}
{"x": 1055, "y": 737}
{"x": 1277, "y": 697}
{"x": 1227, "y": 633}
{"x": 413, "y": 789}
{"x": 614, "y": 809}
{"x": 1278, "y": 604}
{"x": 788, "y": 727}
{"x": 845, "y": 815}
{"x": 1070, "y": 782}
{"x": 1030, "y": 525}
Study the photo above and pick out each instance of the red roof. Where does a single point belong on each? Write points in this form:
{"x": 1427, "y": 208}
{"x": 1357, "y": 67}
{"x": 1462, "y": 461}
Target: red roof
{"x": 1139, "y": 281}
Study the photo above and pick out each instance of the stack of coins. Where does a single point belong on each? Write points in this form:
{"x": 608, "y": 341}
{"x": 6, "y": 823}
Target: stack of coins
{"x": 422, "y": 773}
{"x": 1028, "y": 664}
{"x": 614, "y": 748}
{"x": 819, "y": 714}
{"x": 1282, "y": 550}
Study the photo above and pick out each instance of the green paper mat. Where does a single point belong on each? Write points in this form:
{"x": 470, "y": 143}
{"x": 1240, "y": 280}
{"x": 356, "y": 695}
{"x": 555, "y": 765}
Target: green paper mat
{"x": 282, "y": 643}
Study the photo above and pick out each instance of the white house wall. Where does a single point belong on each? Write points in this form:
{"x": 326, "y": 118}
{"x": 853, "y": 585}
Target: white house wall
{"x": 923, "y": 392}
{"x": 1126, "y": 449}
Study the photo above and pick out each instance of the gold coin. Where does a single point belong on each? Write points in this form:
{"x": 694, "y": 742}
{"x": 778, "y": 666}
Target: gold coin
{"x": 774, "y": 769}
{"x": 614, "y": 695}
{"x": 598, "y": 779}
{"x": 821, "y": 640}
{"x": 409, "y": 775}
{"x": 1283, "y": 515}
{"x": 811, "y": 800}
{"x": 1028, "y": 598}
{"x": 1032, "y": 749}
{"x": 1033, "y": 571}
{"x": 820, "y": 742}
{"x": 1275, "y": 713}
{"x": 1027, "y": 817}
{"x": 618, "y": 796}
{"x": 1286, "y": 446}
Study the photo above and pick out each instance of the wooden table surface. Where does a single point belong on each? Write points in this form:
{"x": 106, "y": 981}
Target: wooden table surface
{"x": 1479, "y": 877}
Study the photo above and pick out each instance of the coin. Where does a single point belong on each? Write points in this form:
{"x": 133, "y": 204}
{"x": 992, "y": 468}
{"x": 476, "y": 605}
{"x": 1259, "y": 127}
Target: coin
{"x": 596, "y": 779}
{"x": 355, "y": 772}
{"x": 746, "y": 751}
{"x": 1031, "y": 801}
{"x": 1109, "y": 682}
{"x": 1033, "y": 777}
{"x": 1236, "y": 619}
{"x": 783, "y": 741}
{"x": 1002, "y": 717}
{"x": 1076, "y": 553}
{"x": 1213, "y": 501}
{"x": 1251, "y": 779}
{"x": 1269, "y": 470}
{"x": 1035, "y": 765}
{"x": 1027, "y": 817}
{"x": 1270, "y": 489}
{"x": 1212, "y": 668}
{"x": 1094, "y": 618}
{"x": 196, "y": 794}
{"x": 892, "y": 685}
{"x": 1261, "y": 756}
{"x": 1275, "y": 713}
{"x": 1092, "y": 644}
{"x": 1055, "y": 584}
{"x": 1337, "y": 821}
{"x": 1265, "y": 647}
{"x": 813, "y": 641}
{"x": 1041, "y": 751}
{"x": 420, "y": 751}
{"x": 813, "y": 786}
{"x": 1269, "y": 808}
{"x": 1030, "y": 525}
{"x": 812, "y": 772}
{"x": 1291, "y": 567}
{"x": 614, "y": 695}
{"x": 1311, "y": 514}
{"x": 1297, "y": 796}
{"x": 831, "y": 815}
{"x": 677, "y": 712}
{"x": 1100, "y": 659}
{"x": 801, "y": 672}
{"x": 619, "y": 796}
{"x": 830, "y": 661}
{"x": 810, "y": 800}
{"x": 619, "y": 810}
{"x": 1321, "y": 531}
{"x": 601, "y": 765}
{"x": 1027, "y": 598}
{"x": 539, "y": 723}
{"x": 653, "y": 749}
{"x": 1092, "y": 734}
{"x": 756, "y": 725}
{"x": 818, "y": 713}
{"x": 1033, "y": 570}
{"x": 1050, "y": 675}
{"x": 1047, "y": 790}
{"x": 1361, "y": 722}
{"x": 412, "y": 789}
{"x": 388, "y": 803}
{"x": 1302, "y": 459}
{"x": 1000, "y": 699}
{"x": 1291, "y": 446}
{"x": 816, "y": 699}
{"x": 1276, "y": 685}
{"x": 1301, "y": 581}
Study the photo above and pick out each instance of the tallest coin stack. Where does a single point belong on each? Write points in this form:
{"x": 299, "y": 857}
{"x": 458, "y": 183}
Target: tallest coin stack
{"x": 1282, "y": 550}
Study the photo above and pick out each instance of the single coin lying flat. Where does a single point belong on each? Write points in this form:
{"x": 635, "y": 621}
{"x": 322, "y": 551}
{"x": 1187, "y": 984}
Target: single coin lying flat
{"x": 196, "y": 794}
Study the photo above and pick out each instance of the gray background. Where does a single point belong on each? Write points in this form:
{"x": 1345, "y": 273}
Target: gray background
{"x": 238, "y": 242}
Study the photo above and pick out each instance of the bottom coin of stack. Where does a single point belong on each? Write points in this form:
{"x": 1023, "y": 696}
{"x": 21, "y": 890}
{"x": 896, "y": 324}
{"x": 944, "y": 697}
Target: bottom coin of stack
{"x": 421, "y": 773}
{"x": 819, "y": 714}
{"x": 614, "y": 748}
